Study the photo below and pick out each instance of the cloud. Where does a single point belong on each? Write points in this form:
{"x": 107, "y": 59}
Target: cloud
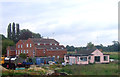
{"x": 73, "y": 22}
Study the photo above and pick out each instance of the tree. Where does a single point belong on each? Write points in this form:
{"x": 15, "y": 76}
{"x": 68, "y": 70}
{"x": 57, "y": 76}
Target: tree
{"x": 5, "y": 44}
{"x": 90, "y": 45}
{"x": 25, "y": 34}
{"x": 13, "y": 32}
{"x": 9, "y": 31}
{"x": 34, "y": 35}
{"x": 22, "y": 55}
{"x": 17, "y": 32}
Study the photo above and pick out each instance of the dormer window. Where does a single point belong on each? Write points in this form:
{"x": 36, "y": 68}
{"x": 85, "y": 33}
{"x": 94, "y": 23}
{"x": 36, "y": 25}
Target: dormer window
{"x": 55, "y": 44}
{"x": 62, "y": 48}
{"x": 38, "y": 43}
{"x": 50, "y": 43}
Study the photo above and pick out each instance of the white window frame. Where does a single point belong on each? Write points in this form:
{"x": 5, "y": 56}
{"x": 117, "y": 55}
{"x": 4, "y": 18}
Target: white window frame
{"x": 27, "y": 45}
{"x": 55, "y": 44}
{"x": 50, "y": 43}
{"x": 30, "y": 45}
{"x": 54, "y": 56}
{"x": 38, "y": 44}
{"x": 18, "y": 46}
{"x": 24, "y": 51}
{"x": 58, "y": 57}
{"x": 21, "y": 51}
{"x": 21, "y": 46}
{"x": 8, "y": 53}
{"x": 27, "y": 51}
{"x": 16, "y": 52}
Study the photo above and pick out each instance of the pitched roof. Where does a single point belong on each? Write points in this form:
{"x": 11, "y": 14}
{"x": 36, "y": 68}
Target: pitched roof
{"x": 87, "y": 51}
{"x": 50, "y": 47}
{"x": 43, "y": 40}
{"x": 76, "y": 55}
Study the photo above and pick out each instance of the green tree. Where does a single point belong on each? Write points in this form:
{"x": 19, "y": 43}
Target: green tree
{"x": 22, "y": 55}
{"x": 9, "y": 31}
{"x": 90, "y": 45}
{"x": 17, "y": 32}
{"x": 13, "y": 32}
{"x": 5, "y": 44}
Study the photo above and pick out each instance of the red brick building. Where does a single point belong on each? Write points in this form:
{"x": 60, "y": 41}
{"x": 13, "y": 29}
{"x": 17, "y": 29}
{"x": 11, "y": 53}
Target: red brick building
{"x": 40, "y": 47}
{"x": 11, "y": 51}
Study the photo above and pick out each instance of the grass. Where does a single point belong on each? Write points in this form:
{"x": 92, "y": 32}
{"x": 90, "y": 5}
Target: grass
{"x": 113, "y": 55}
{"x": 23, "y": 72}
{"x": 93, "y": 69}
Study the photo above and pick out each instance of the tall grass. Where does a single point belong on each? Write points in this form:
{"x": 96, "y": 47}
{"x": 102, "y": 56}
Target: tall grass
{"x": 93, "y": 69}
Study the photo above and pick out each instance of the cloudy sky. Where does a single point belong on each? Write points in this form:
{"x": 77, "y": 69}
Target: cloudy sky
{"x": 71, "y": 22}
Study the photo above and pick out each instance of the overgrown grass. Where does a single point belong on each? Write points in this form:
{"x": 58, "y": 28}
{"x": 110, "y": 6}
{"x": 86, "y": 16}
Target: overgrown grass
{"x": 113, "y": 55}
{"x": 93, "y": 69}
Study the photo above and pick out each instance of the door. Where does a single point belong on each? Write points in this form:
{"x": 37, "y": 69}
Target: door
{"x": 97, "y": 58}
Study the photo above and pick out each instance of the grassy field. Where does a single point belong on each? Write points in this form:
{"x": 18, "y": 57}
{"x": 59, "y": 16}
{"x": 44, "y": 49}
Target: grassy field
{"x": 92, "y": 69}
{"x": 113, "y": 55}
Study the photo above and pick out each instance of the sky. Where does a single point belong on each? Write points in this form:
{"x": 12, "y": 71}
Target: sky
{"x": 70, "y": 22}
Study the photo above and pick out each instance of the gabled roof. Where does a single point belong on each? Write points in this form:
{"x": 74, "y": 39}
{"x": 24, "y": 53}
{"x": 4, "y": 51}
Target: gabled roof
{"x": 50, "y": 47}
{"x": 87, "y": 51}
{"x": 76, "y": 55}
{"x": 23, "y": 41}
{"x": 43, "y": 40}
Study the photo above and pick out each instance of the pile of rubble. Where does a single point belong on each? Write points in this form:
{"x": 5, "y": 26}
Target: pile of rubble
{"x": 3, "y": 69}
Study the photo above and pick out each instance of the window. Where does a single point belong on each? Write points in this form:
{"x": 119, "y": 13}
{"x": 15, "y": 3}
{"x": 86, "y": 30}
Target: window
{"x": 27, "y": 51}
{"x": 56, "y": 47}
{"x": 8, "y": 52}
{"x": 58, "y": 57}
{"x": 62, "y": 48}
{"x": 50, "y": 43}
{"x": 21, "y": 51}
{"x": 74, "y": 60}
{"x": 21, "y": 46}
{"x": 89, "y": 57}
{"x": 83, "y": 59}
{"x": 43, "y": 51}
{"x": 18, "y": 46}
{"x": 51, "y": 48}
{"x": 38, "y": 43}
{"x": 105, "y": 58}
{"x": 44, "y": 43}
{"x": 97, "y": 58}
{"x": 27, "y": 45}
{"x": 30, "y": 45}
{"x": 55, "y": 44}
{"x": 53, "y": 56}
{"x": 77, "y": 58}
{"x": 16, "y": 51}
{"x": 67, "y": 57}
{"x": 24, "y": 51}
